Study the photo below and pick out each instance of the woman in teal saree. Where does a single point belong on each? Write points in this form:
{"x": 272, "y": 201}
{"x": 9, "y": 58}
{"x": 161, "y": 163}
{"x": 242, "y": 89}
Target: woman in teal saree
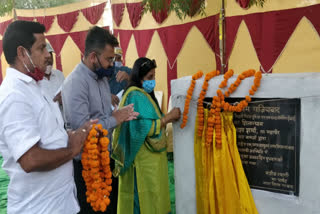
{"x": 139, "y": 147}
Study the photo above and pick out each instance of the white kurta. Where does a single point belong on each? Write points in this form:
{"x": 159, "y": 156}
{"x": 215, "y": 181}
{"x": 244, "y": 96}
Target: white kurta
{"x": 53, "y": 86}
{"x": 27, "y": 117}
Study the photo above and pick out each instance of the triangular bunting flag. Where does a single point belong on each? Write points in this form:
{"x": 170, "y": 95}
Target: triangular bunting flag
{"x": 143, "y": 39}
{"x": 312, "y": 13}
{"x": 93, "y": 14}
{"x": 125, "y": 36}
{"x": 160, "y": 16}
{"x": 1, "y": 48}
{"x": 67, "y": 20}
{"x": 209, "y": 27}
{"x": 4, "y": 25}
{"x": 231, "y": 29}
{"x": 172, "y": 39}
{"x": 117, "y": 13}
{"x": 270, "y": 33}
{"x": 243, "y": 3}
{"x": 135, "y": 11}
{"x": 57, "y": 42}
{"x": 46, "y": 21}
{"x": 79, "y": 38}
{"x": 24, "y": 18}
{"x": 116, "y": 32}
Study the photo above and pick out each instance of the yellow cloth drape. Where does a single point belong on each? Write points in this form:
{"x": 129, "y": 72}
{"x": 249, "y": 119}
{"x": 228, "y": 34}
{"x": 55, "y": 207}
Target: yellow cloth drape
{"x": 221, "y": 184}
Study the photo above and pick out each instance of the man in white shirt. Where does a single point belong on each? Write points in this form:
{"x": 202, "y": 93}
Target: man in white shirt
{"x": 53, "y": 79}
{"x": 52, "y": 82}
{"x": 36, "y": 149}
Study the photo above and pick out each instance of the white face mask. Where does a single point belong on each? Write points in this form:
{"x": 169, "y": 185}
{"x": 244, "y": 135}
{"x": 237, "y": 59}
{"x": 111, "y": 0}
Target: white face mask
{"x": 48, "y": 70}
{"x": 117, "y": 64}
{"x": 29, "y": 60}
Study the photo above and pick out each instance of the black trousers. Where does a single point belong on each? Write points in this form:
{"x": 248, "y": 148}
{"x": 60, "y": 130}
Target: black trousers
{"x": 85, "y": 208}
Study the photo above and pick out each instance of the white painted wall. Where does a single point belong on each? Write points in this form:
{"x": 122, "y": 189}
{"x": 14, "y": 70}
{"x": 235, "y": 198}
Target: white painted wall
{"x": 305, "y": 86}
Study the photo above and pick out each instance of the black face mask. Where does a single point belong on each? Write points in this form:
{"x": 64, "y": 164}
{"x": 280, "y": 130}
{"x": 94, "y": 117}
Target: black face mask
{"x": 102, "y": 72}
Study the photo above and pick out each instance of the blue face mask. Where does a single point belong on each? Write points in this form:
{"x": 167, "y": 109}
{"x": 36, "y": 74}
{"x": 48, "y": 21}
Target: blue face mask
{"x": 148, "y": 85}
{"x": 118, "y": 64}
{"x": 102, "y": 72}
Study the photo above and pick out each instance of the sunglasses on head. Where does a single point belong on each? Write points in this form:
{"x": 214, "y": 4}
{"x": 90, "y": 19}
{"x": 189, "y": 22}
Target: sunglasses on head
{"x": 149, "y": 64}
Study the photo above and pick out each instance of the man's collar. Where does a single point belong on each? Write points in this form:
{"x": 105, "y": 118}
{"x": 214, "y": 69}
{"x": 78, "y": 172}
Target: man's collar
{"x": 90, "y": 72}
{"x": 19, "y": 75}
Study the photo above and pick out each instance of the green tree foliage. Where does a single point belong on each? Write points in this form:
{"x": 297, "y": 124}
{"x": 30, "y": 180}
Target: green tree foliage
{"x": 36, "y": 4}
{"x": 7, "y": 5}
{"x": 257, "y": 3}
{"x": 181, "y": 8}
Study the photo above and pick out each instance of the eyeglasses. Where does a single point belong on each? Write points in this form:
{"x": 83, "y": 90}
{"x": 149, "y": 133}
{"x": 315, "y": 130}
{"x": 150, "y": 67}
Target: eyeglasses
{"x": 149, "y": 64}
{"x": 111, "y": 59}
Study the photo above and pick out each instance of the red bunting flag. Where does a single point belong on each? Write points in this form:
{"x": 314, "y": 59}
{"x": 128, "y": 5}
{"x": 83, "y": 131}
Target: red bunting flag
{"x": 67, "y": 20}
{"x": 135, "y": 11}
{"x": 93, "y": 14}
{"x": 117, "y": 13}
{"x": 57, "y": 42}
{"x": 143, "y": 39}
{"x": 46, "y": 21}
{"x": 125, "y": 36}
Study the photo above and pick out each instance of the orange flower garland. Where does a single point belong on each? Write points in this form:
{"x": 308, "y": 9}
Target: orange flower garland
{"x": 215, "y": 120}
{"x": 242, "y": 76}
{"x": 201, "y": 98}
{"x": 226, "y": 76}
{"x": 244, "y": 103}
{"x": 218, "y": 102}
{"x": 196, "y": 76}
{"x": 96, "y": 168}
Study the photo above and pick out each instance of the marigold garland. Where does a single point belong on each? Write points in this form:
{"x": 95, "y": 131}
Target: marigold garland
{"x": 218, "y": 102}
{"x": 196, "y": 76}
{"x": 243, "y": 103}
{"x": 96, "y": 168}
{"x": 226, "y": 76}
{"x": 203, "y": 92}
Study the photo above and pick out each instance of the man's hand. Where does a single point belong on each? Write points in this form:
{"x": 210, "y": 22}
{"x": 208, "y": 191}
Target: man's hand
{"x": 114, "y": 100}
{"x": 126, "y": 113}
{"x": 121, "y": 76}
{"x": 38, "y": 159}
{"x": 58, "y": 98}
{"x": 79, "y": 136}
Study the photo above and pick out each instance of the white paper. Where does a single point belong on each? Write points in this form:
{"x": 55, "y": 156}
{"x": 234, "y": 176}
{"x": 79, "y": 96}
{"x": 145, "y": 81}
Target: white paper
{"x": 119, "y": 95}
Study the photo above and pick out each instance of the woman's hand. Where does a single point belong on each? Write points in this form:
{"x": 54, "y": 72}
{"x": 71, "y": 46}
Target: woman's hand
{"x": 174, "y": 114}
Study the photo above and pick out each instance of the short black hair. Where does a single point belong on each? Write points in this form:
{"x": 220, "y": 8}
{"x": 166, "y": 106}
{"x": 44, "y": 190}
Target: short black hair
{"x": 20, "y": 33}
{"x": 97, "y": 39}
